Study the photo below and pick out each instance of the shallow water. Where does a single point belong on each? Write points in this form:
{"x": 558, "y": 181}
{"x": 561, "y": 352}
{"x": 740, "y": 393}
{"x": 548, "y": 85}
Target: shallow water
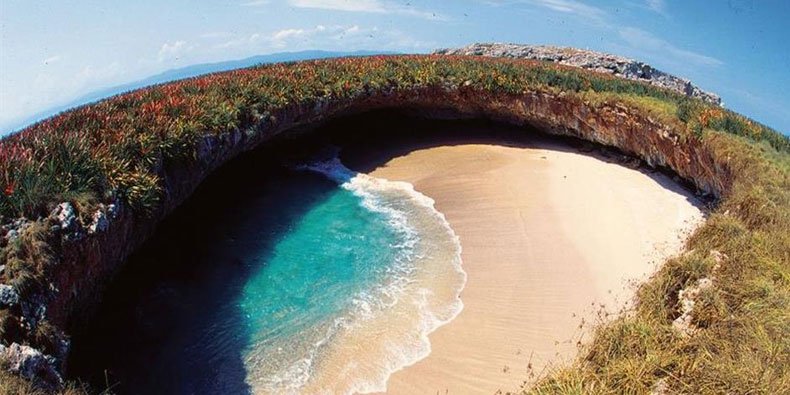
{"x": 298, "y": 282}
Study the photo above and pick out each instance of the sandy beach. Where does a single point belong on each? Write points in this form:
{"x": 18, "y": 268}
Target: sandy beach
{"x": 550, "y": 236}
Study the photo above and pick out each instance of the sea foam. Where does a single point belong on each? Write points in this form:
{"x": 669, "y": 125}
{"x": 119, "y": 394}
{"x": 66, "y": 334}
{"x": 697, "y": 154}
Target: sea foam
{"x": 358, "y": 351}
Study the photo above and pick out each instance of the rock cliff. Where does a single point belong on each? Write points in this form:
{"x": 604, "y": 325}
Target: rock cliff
{"x": 590, "y": 60}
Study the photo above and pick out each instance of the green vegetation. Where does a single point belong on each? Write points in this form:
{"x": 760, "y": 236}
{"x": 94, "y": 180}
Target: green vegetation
{"x": 118, "y": 147}
{"x": 115, "y": 147}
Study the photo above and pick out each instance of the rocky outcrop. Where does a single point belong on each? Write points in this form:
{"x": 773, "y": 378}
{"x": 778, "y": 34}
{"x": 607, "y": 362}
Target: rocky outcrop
{"x": 595, "y": 61}
{"x": 89, "y": 248}
{"x": 8, "y": 296}
{"x": 688, "y": 297}
{"x": 31, "y": 364}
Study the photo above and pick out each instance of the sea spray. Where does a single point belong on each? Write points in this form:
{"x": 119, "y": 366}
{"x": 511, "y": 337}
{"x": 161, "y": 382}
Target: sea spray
{"x": 384, "y": 326}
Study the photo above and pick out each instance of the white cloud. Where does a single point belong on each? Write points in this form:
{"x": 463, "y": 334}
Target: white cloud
{"x": 320, "y": 33}
{"x": 52, "y": 87}
{"x": 571, "y": 7}
{"x": 326, "y": 37}
{"x": 255, "y": 3}
{"x": 285, "y": 34}
{"x": 52, "y": 59}
{"x": 211, "y": 35}
{"x": 368, "y": 6}
{"x": 174, "y": 51}
{"x": 646, "y": 42}
{"x": 659, "y": 6}
{"x": 656, "y": 6}
{"x": 341, "y": 5}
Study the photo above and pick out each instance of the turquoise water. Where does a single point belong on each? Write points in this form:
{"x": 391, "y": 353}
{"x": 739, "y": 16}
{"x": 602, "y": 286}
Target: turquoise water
{"x": 319, "y": 280}
{"x": 341, "y": 248}
{"x": 377, "y": 268}
{"x": 335, "y": 257}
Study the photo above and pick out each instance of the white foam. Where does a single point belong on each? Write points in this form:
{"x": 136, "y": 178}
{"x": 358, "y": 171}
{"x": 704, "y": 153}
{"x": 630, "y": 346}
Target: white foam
{"x": 382, "y": 196}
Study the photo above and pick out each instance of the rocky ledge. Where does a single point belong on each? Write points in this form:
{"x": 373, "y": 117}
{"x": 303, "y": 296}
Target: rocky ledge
{"x": 596, "y": 61}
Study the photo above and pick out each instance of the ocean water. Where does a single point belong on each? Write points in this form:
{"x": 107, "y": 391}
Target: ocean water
{"x": 326, "y": 282}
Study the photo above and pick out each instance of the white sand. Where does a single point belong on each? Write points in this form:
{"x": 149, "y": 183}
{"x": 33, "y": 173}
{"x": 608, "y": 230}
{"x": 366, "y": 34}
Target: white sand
{"x": 548, "y": 235}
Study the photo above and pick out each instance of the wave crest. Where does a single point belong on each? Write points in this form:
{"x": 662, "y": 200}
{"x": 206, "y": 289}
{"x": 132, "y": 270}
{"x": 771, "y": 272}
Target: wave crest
{"x": 387, "y": 328}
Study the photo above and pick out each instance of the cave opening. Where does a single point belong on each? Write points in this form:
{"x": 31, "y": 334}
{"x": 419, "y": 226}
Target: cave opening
{"x": 190, "y": 273}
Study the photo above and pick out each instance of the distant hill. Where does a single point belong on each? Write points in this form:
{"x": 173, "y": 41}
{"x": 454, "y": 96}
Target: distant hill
{"x": 181, "y": 73}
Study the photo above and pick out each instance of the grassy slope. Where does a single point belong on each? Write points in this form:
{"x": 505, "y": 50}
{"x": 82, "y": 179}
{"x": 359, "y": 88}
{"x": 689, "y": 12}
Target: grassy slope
{"x": 743, "y": 344}
{"x": 116, "y": 148}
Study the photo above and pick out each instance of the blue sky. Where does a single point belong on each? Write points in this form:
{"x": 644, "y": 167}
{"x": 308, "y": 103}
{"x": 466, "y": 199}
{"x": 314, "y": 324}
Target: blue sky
{"x": 54, "y": 51}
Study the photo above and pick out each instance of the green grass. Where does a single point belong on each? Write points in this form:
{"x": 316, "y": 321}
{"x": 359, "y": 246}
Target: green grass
{"x": 115, "y": 147}
{"x": 118, "y": 149}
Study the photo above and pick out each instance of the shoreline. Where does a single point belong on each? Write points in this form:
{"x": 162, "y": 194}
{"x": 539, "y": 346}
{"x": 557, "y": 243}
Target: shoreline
{"x": 548, "y": 261}
{"x": 365, "y": 344}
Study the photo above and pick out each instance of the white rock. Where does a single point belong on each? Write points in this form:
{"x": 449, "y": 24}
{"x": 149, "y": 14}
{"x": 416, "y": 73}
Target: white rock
{"x": 99, "y": 222}
{"x": 66, "y": 216}
{"x": 687, "y": 299}
{"x": 30, "y": 363}
{"x": 596, "y": 61}
{"x": 8, "y": 295}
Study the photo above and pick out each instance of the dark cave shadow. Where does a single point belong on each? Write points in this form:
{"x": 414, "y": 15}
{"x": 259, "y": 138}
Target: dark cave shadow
{"x": 149, "y": 333}
{"x": 372, "y": 139}
{"x": 179, "y": 288}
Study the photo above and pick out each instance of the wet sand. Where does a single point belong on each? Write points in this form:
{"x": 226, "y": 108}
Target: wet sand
{"x": 550, "y": 236}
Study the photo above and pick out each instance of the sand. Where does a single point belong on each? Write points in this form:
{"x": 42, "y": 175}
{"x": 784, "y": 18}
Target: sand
{"x": 549, "y": 236}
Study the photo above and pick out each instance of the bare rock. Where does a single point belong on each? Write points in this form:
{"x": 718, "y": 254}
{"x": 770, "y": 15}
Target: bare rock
{"x": 66, "y": 216}
{"x": 31, "y": 364}
{"x": 99, "y": 222}
{"x": 660, "y": 387}
{"x": 14, "y": 229}
{"x": 8, "y": 295}
{"x": 590, "y": 60}
{"x": 719, "y": 258}
{"x": 688, "y": 298}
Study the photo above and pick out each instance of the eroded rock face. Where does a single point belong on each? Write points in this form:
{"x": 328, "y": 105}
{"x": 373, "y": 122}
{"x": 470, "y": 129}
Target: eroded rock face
{"x": 596, "y": 61}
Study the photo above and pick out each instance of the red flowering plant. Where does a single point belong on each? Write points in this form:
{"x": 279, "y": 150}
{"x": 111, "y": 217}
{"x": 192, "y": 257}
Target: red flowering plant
{"x": 118, "y": 145}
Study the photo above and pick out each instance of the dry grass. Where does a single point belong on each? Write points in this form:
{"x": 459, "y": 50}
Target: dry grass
{"x": 664, "y": 111}
{"x": 742, "y": 344}
{"x": 11, "y": 384}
